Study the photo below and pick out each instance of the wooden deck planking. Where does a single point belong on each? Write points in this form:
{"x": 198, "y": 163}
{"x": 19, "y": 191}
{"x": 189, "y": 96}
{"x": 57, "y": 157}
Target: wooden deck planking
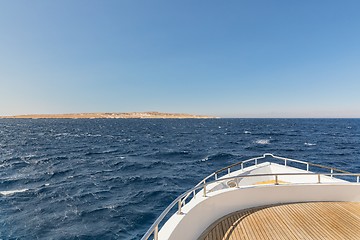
{"x": 312, "y": 220}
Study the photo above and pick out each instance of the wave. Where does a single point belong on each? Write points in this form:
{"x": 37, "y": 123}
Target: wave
{"x": 219, "y": 156}
{"x": 181, "y": 154}
{"x": 60, "y": 135}
{"x": 66, "y": 134}
{"x": 92, "y": 135}
{"x": 263, "y": 141}
{"x": 109, "y": 151}
{"x": 11, "y": 192}
{"x": 205, "y": 159}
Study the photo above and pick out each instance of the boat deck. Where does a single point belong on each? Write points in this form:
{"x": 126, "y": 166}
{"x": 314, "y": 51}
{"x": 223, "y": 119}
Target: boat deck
{"x": 312, "y": 220}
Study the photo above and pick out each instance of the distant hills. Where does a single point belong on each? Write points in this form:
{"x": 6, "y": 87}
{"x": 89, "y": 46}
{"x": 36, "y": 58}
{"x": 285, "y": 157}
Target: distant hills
{"x": 110, "y": 115}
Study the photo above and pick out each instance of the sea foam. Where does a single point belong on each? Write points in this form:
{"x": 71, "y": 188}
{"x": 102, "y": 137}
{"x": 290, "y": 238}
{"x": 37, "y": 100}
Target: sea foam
{"x": 263, "y": 141}
{"x": 11, "y": 192}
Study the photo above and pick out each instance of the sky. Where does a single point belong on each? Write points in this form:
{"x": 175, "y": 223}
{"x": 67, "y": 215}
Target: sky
{"x": 249, "y": 58}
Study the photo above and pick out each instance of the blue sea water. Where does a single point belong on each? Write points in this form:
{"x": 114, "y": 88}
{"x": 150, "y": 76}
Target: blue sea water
{"x": 111, "y": 178}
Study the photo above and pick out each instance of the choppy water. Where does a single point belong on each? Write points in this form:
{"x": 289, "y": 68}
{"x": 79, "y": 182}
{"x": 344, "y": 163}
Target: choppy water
{"x": 110, "y": 179}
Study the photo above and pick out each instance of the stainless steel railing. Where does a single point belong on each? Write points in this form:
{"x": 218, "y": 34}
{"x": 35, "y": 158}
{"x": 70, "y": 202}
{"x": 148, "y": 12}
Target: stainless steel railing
{"x": 286, "y": 160}
{"x": 255, "y": 162}
{"x": 180, "y": 200}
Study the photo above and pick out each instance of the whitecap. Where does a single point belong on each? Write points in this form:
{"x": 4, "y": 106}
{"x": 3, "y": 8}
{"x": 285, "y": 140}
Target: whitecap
{"x": 92, "y": 135}
{"x": 310, "y": 144}
{"x": 205, "y": 159}
{"x": 62, "y": 134}
{"x": 10, "y": 192}
{"x": 247, "y": 132}
{"x": 111, "y": 207}
{"x": 263, "y": 141}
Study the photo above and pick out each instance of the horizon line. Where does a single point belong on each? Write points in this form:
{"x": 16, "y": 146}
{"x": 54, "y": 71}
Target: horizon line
{"x": 155, "y": 113}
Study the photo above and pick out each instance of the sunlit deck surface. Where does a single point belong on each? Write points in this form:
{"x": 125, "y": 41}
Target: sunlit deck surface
{"x": 313, "y": 220}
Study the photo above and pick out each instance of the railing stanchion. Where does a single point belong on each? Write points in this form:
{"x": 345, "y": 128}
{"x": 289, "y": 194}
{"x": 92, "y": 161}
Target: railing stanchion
{"x": 179, "y": 207}
{"x": 204, "y": 195}
{"x": 156, "y": 232}
{"x": 194, "y": 194}
{"x": 357, "y": 179}
{"x": 256, "y": 161}
{"x": 229, "y": 171}
{"x": 332, "y": 171}
{"x": 276, "y": 180}
{"x": 319, "y": 178}
{"x": 307, "y": 166}
{"x": 285, "y": 162}
{"x": 216, "y": 177}
{"x": 242, "y": 166}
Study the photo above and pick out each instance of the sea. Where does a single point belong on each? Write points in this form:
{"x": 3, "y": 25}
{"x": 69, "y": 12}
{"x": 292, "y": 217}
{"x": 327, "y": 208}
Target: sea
{"x": 111, "y": 178}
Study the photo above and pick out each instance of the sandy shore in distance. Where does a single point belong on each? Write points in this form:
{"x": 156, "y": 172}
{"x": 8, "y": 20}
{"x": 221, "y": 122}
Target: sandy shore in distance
{"x": 110, "y": 115}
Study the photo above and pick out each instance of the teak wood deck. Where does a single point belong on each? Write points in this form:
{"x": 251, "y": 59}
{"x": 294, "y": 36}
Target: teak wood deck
{"x": 312, "y": 220}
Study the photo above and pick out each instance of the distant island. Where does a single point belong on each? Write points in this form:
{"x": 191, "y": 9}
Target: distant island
{"x": 109, "y": 115}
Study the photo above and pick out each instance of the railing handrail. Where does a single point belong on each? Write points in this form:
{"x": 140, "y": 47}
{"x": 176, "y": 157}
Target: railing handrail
{"x": 276, "y": 157}
{"x": 263, "y": 157}
{"x": 203, "y": 185}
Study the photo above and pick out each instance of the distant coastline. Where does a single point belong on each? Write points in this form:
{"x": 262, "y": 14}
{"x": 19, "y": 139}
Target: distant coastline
{"x": 109, "y": 115}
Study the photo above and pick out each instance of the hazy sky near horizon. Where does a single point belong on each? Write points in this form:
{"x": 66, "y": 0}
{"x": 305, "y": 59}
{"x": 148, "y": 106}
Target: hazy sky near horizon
{"x": 280, "y": 58}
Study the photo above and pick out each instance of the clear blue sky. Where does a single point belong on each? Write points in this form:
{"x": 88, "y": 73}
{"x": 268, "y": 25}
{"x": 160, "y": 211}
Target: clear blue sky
{"x": 280, "y": 58}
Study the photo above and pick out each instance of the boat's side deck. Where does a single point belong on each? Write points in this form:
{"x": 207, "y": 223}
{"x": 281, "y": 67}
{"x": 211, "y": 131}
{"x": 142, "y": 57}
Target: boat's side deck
{"x": 313, "y": 220}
